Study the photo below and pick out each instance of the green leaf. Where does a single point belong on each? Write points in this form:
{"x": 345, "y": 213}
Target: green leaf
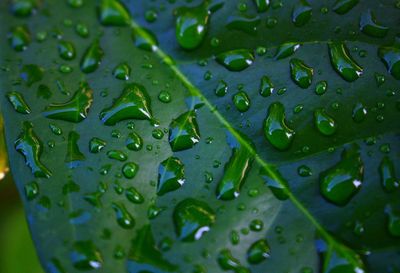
{"x": 243, "y": 136}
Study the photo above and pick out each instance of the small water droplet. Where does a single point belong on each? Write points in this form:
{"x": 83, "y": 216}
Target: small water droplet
{"x": 86, "y": 256}
{"x": 236, "y": 60}
{"x": 66, "y": 50}
{"x": 325, "y": 124}
{"x": 301, "y": 74}
{"x": 388, "y": 175}
{"x": 130, "y": 169}
{"x": 258, "y": 251}
{"x": 285, "y": 50}
{"x": 19, "y": 38}
{"x": 124, "y": 218}
{"x": 122, "y": 71}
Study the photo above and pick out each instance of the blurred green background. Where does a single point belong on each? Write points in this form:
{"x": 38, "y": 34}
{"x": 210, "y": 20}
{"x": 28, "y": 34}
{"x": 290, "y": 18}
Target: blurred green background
{"x": 17, "y": 253}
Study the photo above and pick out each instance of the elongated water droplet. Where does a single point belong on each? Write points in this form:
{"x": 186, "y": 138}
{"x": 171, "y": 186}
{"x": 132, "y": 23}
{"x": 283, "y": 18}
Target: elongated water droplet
{"x": 124, "y": 218}
{"x": 122, "y": 71}
{"x": 266, "y": 86}
{"x": 66, "y": 50}
{"x": 184, "y": 132}
{"x": 130, "y": 169}
{"x": 325, "y": 124}
{"x": 55, "y": 129}
{"x": 341, "y": 182}
{"x": 359, "y": 112}
{"x": 117, "y": 155}
{"x": 134, "y": 142}
{"x": 133, "y": 195}
{"x": 262, "y": 5}
{"x": 390, "y": 55}
{"x": 301, "y": 73}
{"x": 241, "y": 101}
{"x": 192, "y": 218}
{"x": 113, "y": 13}
{"x": 226, "y": 261}
{"x": 393, "y": 220}
{"x": 344, "y": 6}
{"x": 301, "y": 13}
{"x": 339, "y": 258}
{"x": 17, "y": 101}
{"x": 23, "y": 8}
{"x": 19, "y": 38}
{"x": 74, "y": 110}
{"x": 74, "y": 156}
{"x": 96, "y": 145}
{"x": 31, "y": 73}
{"x": 388, "y": 175}
{"x": 369, "y": 25}
{"x": 134, "y": 103}
{"x": 92, "y": 57}
{"x": 144, "y": 39}
{"x": 275, "y": 182}
{"x": 31, "y": 190}
{"x": 86, "y": 256}
{"x": 236, "y": 60}
{"x": 275, "y": 129}
{"x": 30, "y": 146}
{"x": 191, "y": 25}
{"x": 221, "y": 89}
{"x": 258, "y": 251}
{"x": 243, "y": 22}
{"x": 171, "y": 175}
{"x": 285, "y": 50}
{"x": 321, "y": 87}
{"x": 343, "y": 63}
{"x": 236, "y": 169}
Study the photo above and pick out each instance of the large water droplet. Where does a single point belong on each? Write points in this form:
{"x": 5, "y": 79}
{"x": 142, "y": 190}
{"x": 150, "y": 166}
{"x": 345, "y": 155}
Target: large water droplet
{"x": 124, "y": 218}
{"x": 92, "y": 57}
{"x": 74, "y": 110}
{"x": 86, "y": 256}
{"x": 258, "y": 251}
{"x": 19, "y": 38}
{"x": 325, "y": 124}
{"x": 171, "y": 175}
{"x": 130, "y": 169}
{"x": 301, "y": 13}
{"x": 343, "y": 63}
{"x": 344, "y": 6}
{"x": 369, "y": 25}
{"x": 144, "y": 39}
{"x": 23, "y": 8}
{"x": 301, "y": 73}
{"x": 113, "y": 13}
{"x": 275, "y": 129}
{"x": 393, "y": 220}
{"x": 341, "y": 182}
{"x": 236, "y": 168}
{"x": 30, "y": 146}
{"x": 388, "y": 175}
{"x": 192, "y": 218}
{"x": 262, "y": 5}
{"x": 17, "y": 101}
{"x": 390, "y": 56}
{"x": 134, "y": 103}
{"x": 191, "y": 25}
{"x": 245, "y": 23}
{"x": 236, "y": 60}
{"x": 184, "y": 132}
{"x": 117, "y": 155}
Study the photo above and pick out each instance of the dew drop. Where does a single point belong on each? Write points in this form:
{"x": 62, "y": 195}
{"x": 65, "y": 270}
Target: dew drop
{"x": 258, "y": 252}
{"x": 113, "y": 13}
{"x": 285, "y": 50}
{"x": 262, "y": 5}
{"x": 226, "y": 261}
{"x": 122, "y": 71}
{"x": 388, "y": 175}
{"x": 344, "y": 6}
{"x": 134, "y": 142}
{"x": 369, "y": 25}
{"x": 241, "y": 101}
{"x": 31, "y": 190}
{"x": 96, "y": 145}
{"x": 221, "y": 89}
{"x": 359, "y": 112}
{"x": 74, "y": 156}
{"x": 266, "y": 86}
{"x": 117, "y": 155}
{"x": 130, "y": 169}
{"x": 390, "y": 55}
{"x": 134, "y": 196}
{"x": 18, "y": 102}
{"x": 301, "y": 74}
{"x": 92, "y": 58}
{"x": 86, "y": 256}
{"x": 19, "y": 38}
{"x": 343, "y": 63}
{"x": 184, "y": 132}
{"x": 393, "y": 220}
{"x": 171, "y": 175}
{"x": 66, "y": 50}
{"x": 236, "y": 60}
{"x": 301, "y": 13}
{"x": 325, "y": 124}
{"x": 124, "y": 218}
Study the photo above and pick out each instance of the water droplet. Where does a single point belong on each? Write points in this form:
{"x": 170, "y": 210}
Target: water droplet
{"x": 301, "y": 74}
{"x": 388, "y": 175}
{"x": 144, "y": 39}
{"x": 393, "y": 220}
{"x": 227, "y": 262}
{"x": 242, "y": 101}
{"x": 86, "y": 256}
{"x": 275, "y": 182}
{"x": 164, "y": 96}
{"x": 19, "y": 38}
{"x": 341, "y": 182}
{"x": 124, "y": 218}
{"x": 31, "y": 73}
{"x": 285, "y": 50}
{"x": 359, "y": 112}
{"x": 222, "y": 88}
{"x": 113, "y": 13}
{"x": 380, "y": 79}
{"x": 304, "y": 171}
{"x": 369, "y": 25}
{"x": 262, "y": 5}
{"x": 325, "y": 124}
{"x": 192, "y": 218}
{"x": 258, "y": 251}
{"x": 75, "y": 3}
{"x": 133, "y": 195}
{"x": 266, "y": 86}
{"x": 236, "y": 60}
{"x": 236, "y": 168}
{"x": 74, "y": 156}
{"x": 344, "y": 6}
{"x": 23, "y": 8}
{"x": 191, "y": 25}
{"x": 17, "y": 101}
{"x": 117, "y": 155}
{"x": 390, "y": 56}
{"x": 171, "y": 175}
{"x": 134, "y": 142}
{"x": 31, "y": 190}
{"x": 44, "y": 91}
{"x": 134, "y": 103}
{"x": 184, "y": 132}
{"x": 243, "y": 22}
{"x": 96, "y": 145}
{"x": 150, "y": 16}
{"x": 275, "y": 129}
{"x": 74, "y": 110}
{"x": 256, "y": 225}
{"x": 301, "y": 13}
{"x": 82, "y": 30}
{"x": 122, "y": 71}
{"x": 66, "y": 50}
{"x": 234, "y": 237}
{"x": 30, "y": 146}
{"x": 92, "y": 57}
{"x": 130, "y": 169}
{"x": 343, "y": 63}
